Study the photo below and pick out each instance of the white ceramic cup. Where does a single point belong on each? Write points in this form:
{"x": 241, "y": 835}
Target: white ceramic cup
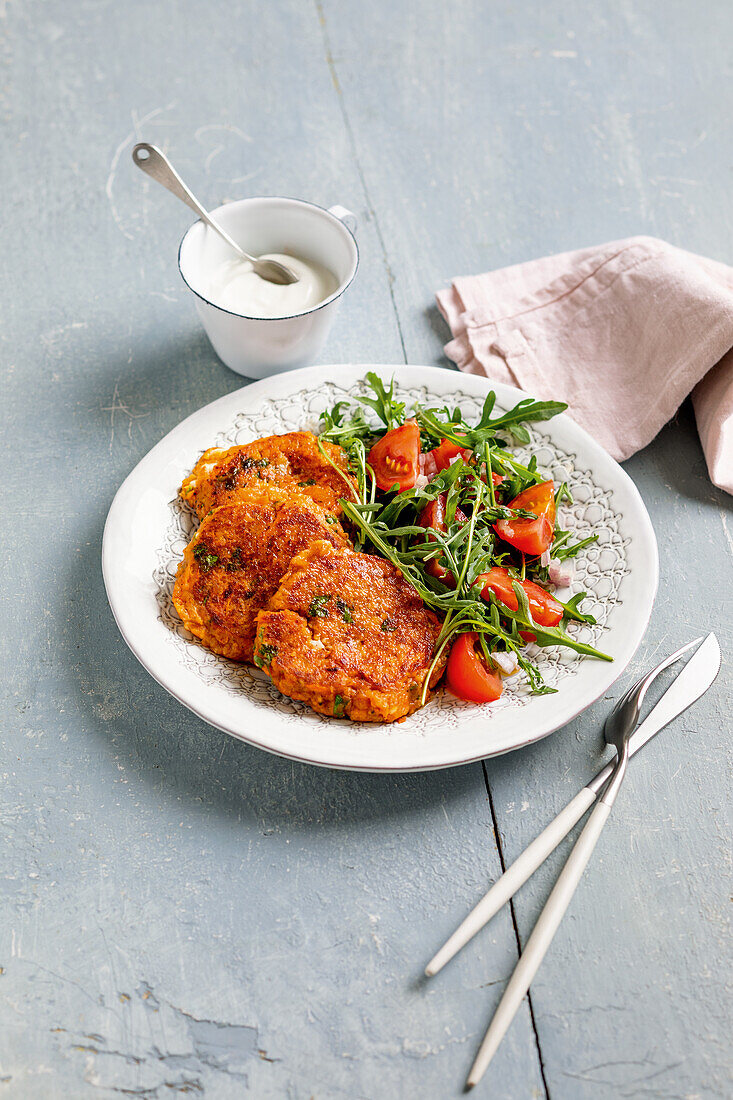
{"x": 260, "y": 346}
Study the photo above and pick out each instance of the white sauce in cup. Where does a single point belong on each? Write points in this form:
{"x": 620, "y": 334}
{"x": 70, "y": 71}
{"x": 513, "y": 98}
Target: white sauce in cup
{"x": 235, "y": 287}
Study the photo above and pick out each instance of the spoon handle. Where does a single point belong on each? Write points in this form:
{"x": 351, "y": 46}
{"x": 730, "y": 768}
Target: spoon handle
{"x": 159, "y": 168}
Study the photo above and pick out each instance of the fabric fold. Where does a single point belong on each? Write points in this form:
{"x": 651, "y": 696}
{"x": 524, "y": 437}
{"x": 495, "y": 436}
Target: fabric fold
{"x": 622, "y": 332}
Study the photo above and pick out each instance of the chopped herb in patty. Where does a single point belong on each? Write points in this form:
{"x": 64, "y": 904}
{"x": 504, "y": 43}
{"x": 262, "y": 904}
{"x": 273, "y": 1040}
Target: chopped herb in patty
{"x": 319, "y": 607}
{"x": 205, "y": 557}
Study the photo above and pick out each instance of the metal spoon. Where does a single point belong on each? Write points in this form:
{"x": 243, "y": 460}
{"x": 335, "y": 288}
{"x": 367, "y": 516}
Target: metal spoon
{"x": 157, "y": 165}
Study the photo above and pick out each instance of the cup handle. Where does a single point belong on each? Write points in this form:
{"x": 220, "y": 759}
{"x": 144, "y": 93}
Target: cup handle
{"x": 344, "y": 216}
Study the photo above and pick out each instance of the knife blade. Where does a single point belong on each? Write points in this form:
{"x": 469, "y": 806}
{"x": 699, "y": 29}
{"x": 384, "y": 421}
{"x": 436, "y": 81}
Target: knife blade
{"x": 692, "y": 682}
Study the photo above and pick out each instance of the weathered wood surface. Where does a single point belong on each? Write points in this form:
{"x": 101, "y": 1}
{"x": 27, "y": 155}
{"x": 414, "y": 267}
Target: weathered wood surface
{"x": 183, "y": 914}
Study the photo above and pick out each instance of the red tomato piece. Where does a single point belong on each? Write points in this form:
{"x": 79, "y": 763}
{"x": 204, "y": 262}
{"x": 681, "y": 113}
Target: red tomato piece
{"x": 467, "y": 675}
{"x": 395, "y": 458}
{"x": 531, "y": 536}
{"x": 496, "y": 479}
{"x": 447, "y": 451}
{"x": 498, "y": 581}
{"x": 433, "y": 515}
{"x": 441, "y": 457}
{"x": 545, "y": 609}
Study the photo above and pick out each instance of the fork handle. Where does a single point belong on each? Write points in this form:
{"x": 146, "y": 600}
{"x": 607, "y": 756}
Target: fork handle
{"x": 540, "y": 940}
{"x": 515, "y": 876}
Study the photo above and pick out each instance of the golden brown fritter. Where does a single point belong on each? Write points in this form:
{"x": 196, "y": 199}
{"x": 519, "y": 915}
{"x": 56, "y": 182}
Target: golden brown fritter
{"x": 293, "y": 462}
{"x": 348, "y": 635}
{"x": 236, "y": 560}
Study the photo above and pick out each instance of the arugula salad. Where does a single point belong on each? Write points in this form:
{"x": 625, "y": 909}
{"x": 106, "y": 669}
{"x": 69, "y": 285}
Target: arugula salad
{"x": 471, "y": 528}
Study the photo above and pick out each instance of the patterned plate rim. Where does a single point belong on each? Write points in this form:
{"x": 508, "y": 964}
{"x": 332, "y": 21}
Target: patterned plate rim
{"x": 318, "y": 744}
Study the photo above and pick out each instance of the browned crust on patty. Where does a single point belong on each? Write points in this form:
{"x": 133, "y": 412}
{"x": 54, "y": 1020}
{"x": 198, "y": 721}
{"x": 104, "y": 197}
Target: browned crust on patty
{"x": 346, "y": 634}
{"x": 293, "y": 462}
{"x": 236, "y": 560}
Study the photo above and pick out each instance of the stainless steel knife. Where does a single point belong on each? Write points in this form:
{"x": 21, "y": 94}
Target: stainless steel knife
{"x": 692, "y": 682}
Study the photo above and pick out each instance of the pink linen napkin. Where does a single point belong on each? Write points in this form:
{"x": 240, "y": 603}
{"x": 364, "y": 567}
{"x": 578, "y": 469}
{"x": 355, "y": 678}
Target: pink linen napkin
{"x": 623, "y": 332}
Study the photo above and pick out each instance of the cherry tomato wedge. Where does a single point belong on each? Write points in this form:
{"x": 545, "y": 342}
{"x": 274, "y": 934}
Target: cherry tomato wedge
{"x": 531, "y": 536}
{"x": 433, "y": 515}
{"x": 447, "y": 451}
{"x": 496, "y": 479}
{"x": 467, "y": 675}
{"x": 444, "y": 454}
{"x": 545, "y": 609}
{"x": 395, "y": 458}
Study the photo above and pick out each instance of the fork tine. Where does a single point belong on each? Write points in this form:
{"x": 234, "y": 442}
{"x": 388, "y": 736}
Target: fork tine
{"x": 645, "y": 682}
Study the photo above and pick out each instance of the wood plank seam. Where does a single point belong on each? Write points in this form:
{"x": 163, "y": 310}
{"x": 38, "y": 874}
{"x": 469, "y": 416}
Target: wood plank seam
{"x": 357, "y": 164}
{"x": 390, "y": 279}
{"x": 502, "y": 862}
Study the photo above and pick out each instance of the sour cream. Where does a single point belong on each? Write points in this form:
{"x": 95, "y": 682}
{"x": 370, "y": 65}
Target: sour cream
{"x": 235, "y": 287}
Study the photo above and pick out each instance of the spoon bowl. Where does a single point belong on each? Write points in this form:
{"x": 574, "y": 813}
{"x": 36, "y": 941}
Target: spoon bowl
{"x": 156, "y": 165}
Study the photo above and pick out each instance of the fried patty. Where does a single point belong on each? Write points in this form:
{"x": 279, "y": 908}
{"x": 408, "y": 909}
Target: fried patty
{"x": 346, "y": 634}
{"x": 235, "y": 562}
{"x": 293, "y": 462}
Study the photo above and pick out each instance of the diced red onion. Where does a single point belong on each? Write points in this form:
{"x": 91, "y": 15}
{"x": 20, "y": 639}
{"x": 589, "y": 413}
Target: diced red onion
{"x": 561, "y": 573}
{"x": 428, "y": 465}
{"x": 545, "y": 558}
{"x": 507, "y": 662}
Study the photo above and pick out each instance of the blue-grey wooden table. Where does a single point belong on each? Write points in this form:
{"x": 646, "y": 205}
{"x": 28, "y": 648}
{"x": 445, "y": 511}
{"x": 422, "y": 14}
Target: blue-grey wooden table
{"x": 183, "y": 914}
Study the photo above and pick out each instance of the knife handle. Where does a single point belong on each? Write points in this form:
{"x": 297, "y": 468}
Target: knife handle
{"x": 541, "y": 938}
{"x": 515, "y": 876}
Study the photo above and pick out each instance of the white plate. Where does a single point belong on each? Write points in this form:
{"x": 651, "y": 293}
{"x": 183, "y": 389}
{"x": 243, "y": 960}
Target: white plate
{"x": 147, "y": 530}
